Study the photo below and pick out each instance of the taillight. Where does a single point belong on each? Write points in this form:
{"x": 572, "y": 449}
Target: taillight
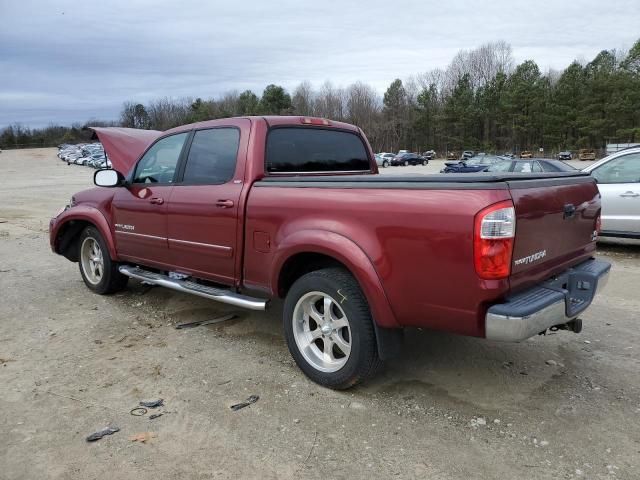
{"x": 494, "y": 233}
{"x": 598, "y": 224}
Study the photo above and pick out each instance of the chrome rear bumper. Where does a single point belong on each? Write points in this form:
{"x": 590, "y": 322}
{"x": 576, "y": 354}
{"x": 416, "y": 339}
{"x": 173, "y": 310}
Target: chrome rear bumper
{"x": 554, "y": 302}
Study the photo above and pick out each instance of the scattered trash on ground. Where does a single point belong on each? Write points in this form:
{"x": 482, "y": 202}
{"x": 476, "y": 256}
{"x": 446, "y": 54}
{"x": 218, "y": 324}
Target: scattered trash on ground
{"x": 155, "y": 415}
{"x": 142, "y": 437}
{"x": 246, "y": 403}
{"x": 223, "y": 318}
{"x": 101, "y": 433}
{"x": 138, "y": 411}
{"x": 153, "y": 403}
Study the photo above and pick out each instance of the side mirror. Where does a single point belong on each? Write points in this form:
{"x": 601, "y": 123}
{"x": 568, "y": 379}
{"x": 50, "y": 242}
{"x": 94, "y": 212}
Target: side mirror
{"x": 108, "y": 178}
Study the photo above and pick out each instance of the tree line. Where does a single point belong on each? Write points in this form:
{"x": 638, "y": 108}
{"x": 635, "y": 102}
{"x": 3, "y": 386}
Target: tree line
{"x": 481, "y": 101}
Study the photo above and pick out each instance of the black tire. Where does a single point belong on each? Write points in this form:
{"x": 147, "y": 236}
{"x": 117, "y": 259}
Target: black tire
{"x": 111, "y": 280}
{"x": 385, "y": 164}
{"x": 406, "y": 163}
{"x": 363, "y": 360}
{"x": 425, "y": 162}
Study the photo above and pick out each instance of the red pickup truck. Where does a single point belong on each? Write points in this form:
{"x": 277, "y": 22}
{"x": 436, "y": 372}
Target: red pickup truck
{"x": 244, "y": 210}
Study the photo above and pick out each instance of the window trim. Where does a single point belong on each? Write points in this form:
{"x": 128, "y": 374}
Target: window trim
{"x": 132, "y": 175}
{"x": 179, "y": 178}
{"x": 320, "y": 172}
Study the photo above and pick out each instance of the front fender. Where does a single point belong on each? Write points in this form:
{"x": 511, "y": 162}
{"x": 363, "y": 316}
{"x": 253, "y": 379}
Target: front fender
{"x": 346, "y": 252}
{"x": 85, "y": 214}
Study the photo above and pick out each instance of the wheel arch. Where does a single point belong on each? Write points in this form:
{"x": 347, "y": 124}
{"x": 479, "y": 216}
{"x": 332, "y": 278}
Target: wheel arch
{"x": 70, "y": 224}
{"x": 310, "y": 250}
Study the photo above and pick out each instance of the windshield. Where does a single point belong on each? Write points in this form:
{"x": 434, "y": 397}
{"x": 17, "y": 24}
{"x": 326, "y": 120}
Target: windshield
{"x": 483, "y": 160}
{"x": 503, "y": 166}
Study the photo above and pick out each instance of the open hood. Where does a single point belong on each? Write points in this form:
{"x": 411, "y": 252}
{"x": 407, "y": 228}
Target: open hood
{"x": 124, "y": 146}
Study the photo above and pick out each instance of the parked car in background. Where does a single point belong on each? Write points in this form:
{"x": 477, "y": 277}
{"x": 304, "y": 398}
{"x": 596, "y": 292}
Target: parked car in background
{"x": 467, "y": 154}
{"x": 566, "y": 155}
{"x": 586, "y": 154}
{"x": 452, "y": 156}
{"x": 87, "y": 154}
{"x": 618, "y": 178}
{"x": 429, "y": 154}
{"x": 386, "y": 158}
{"x": 508, "y": 155}
{"x": 526, "y": 154}
{"x": 381, "y": 161}
{"x": 474, "y": 164}
{"x": 406, "y": 159}
{"x": 537, "y": 165}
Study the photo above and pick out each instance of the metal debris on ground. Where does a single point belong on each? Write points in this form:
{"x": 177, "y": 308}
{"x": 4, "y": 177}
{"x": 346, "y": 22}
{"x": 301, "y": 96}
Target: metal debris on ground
{"x": 155, "y": 415}
{"x": 101, "y": 433}
{"x": 138, "y": 411}
{"x": 223, "y": 318}
{"x": 153, "y": 403}
{"x": 246, "y": 403}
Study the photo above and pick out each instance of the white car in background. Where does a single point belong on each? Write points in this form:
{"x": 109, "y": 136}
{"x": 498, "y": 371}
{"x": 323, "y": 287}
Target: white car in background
{"x": 618, "y": 178}
{"x": 383, "y": 159}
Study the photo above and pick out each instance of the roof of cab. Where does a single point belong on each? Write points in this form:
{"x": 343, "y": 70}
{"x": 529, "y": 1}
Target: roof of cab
{"x": 271, "y": 120}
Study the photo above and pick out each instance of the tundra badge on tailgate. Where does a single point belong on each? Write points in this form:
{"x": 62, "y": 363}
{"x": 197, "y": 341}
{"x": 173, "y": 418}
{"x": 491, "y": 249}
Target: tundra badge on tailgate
{"x": 531, "y": 258}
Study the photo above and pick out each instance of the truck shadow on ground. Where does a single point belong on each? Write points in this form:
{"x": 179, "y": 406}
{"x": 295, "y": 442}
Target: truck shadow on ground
{"x": 619, "y": 247}
{"x": 434, "y": 368}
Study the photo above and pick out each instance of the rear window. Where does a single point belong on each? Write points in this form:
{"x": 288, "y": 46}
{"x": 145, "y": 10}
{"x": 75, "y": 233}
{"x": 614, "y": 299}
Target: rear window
{"x": 305, "y": 149}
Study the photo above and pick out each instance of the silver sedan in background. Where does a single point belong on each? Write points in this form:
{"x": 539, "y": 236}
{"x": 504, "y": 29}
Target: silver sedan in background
{"x": 618, "y": 178}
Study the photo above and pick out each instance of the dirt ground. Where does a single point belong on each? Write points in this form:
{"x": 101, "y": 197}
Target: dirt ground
{"x": 71, "y": 362}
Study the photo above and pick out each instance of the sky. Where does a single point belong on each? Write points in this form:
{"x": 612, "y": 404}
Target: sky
{"x": 64, "y": 61}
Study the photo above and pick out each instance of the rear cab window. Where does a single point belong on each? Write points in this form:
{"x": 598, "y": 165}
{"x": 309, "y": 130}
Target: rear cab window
{"x": 311, "y": 150}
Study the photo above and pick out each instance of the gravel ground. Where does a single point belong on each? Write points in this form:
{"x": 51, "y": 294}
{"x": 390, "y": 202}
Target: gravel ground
{"x": 71, "y": 363}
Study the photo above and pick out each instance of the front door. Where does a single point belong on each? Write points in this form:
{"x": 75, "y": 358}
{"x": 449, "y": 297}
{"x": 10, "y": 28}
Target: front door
{"x": 619, "y": 185}
{"x": 203, "y": 209}
{"x": 140, "y": 209}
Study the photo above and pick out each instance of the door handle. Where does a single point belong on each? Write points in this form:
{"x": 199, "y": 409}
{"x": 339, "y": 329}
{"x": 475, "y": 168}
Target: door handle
{"x": 569, "y": 210}
{"x": 224, "y": 203}
{"x": 630, "y": 194}
{"x": 156, "y": 200}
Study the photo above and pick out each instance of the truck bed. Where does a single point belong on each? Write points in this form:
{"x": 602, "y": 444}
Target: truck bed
{"x": 417, "y": 232}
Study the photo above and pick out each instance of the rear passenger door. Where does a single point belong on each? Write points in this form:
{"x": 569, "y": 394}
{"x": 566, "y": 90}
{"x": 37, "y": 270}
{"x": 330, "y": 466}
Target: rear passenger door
{"x": 203, "y": 209}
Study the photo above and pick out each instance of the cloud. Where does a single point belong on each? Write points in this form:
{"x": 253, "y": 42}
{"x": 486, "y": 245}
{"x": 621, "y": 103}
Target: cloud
{"x": 68, "y": 61}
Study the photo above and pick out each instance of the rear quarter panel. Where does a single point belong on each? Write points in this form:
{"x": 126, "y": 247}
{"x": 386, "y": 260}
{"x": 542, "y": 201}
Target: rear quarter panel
{"x": 419, "y": 242}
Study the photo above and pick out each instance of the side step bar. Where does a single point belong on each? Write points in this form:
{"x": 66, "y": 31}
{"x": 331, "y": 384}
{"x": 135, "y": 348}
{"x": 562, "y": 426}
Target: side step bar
{"x": 187, "y": 286}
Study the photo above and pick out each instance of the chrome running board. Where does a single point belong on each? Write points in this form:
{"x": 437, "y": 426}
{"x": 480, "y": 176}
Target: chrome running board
{"x": 187, "y": 286}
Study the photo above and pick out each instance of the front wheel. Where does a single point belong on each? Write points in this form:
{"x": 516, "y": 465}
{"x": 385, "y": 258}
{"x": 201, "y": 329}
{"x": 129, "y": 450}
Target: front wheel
{"x": 425, "y": 162}
{"x": 385, "y": 164}
{"x": 406, "y": 163}
{"x": 98, "y": 271}
{"x": 329, "y": 329}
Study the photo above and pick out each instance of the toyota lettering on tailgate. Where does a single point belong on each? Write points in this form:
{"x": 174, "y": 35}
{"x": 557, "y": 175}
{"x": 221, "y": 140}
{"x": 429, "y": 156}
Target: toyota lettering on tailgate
{"x": 531, "y": 258}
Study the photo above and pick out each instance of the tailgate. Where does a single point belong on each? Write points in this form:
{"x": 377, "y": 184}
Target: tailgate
{"x": 555, "y": 223}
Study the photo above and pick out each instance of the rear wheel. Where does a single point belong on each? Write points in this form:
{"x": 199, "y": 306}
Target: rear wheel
{"x": 98, "y": 271}
{"x": 425, "y": 162}
{"x": 406, "y": 163}
{"x": 329, "y": 329}
{"x": 385, "y": 164}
